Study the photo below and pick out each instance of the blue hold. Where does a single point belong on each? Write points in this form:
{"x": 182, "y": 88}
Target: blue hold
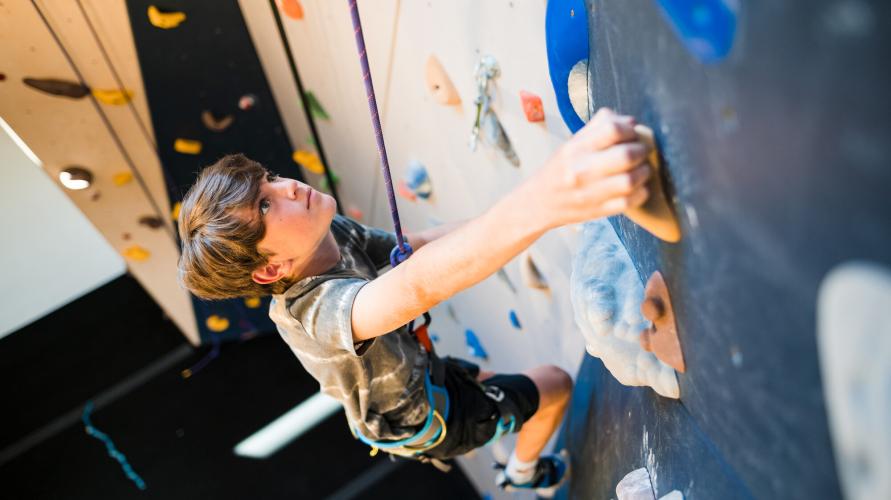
{"x": 707, "y": 27}
{"x": 514, "y": 320}
{"x": 434, "y": 337}
{"x": 474, "y": 346}
{"x": 417, "y": 179}
{"x": 566, "y": 37}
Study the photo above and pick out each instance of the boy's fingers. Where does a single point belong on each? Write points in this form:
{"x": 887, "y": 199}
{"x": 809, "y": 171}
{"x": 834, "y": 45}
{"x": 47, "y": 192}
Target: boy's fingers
{"x": 614, "y": 160}
{"x": 625, "y": 183}
{"x": 622, "y": 203}
{"x": 604, "y": 130}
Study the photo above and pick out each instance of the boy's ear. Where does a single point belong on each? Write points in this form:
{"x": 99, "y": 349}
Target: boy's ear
{"x": 270, "y": 273}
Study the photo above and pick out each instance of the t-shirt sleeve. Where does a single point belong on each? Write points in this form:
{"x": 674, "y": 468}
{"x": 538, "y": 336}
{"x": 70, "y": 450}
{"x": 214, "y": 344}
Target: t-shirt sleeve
{"x": 376, "y": 243}
{"x": 325, "y": 312}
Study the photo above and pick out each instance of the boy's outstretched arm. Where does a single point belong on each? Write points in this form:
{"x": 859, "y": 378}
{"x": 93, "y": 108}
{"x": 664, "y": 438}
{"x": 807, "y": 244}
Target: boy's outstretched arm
{"x": 599, "y": 172}
{"x": 417, "y": 239}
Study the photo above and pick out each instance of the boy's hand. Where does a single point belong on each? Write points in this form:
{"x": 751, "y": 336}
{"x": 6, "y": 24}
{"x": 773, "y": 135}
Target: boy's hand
{"x": 601, "y": 171}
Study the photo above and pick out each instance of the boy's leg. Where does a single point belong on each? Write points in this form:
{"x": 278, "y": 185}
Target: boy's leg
{"x": 554, "y": 390}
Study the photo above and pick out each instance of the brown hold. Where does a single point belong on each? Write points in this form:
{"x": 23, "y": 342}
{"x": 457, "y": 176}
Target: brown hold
{"x": 62, "y": 88}
{"x": 216, "y": 124}
{"x": 151, "y": 221}
{"x": 656, "y": 215}
{"x": 439, "y": 84}
{"x": 662, "y": 338}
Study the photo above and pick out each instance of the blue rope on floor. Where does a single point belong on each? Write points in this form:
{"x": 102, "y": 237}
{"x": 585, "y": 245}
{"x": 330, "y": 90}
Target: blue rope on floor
{"x": 109, "y": 445}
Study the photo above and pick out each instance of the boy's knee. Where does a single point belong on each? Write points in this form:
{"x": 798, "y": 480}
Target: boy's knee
{"x": 553, "y": 382}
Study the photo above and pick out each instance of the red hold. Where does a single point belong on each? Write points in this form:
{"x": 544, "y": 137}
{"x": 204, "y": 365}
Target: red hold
{"x": 532, "y": 106}
{"x": 662, "y": 338}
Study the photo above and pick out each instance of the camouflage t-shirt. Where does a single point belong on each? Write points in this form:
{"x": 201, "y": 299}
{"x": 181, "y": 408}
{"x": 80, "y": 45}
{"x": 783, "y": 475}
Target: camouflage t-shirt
{"x": 381, "y": 381}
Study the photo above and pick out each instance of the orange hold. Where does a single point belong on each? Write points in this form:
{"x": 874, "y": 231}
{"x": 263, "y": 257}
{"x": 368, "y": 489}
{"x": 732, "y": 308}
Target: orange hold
{"x": 406, "y": 192}
{"x": 291, "y": 8}
{"x": 532, "y": 106}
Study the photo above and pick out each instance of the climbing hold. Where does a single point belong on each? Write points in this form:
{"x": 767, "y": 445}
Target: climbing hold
{"x": 217, "y": 323}
{"x": 439, "y": 84}
{"x": 532, "y": 106}
{"x": 216, "y": 124}
{"x": 577, "y": 89}
{"x": 121, "y": 178}
{"x": 404, "y": 191}
{"x": 514, "y": 320}
{"x": 247, "y": 102}
{"x": 309, "y": 160}
{"x": 324, "y": 182}
{"x": 355, "y": 213}
{"x": 315, "y": 107}
{"x": 532, "y": 277}
{"x": 2, "y": 77}
{"x": 502, "y": 275}
{"x": 174, "y": 212}
{"x": 187, "y": 146}
{"x": 165, "y": 20}
{"x": 636, "y": 485}
{"x": 566, "y": 37}
{"x": 656, "y": 214}
{"x": 63, "y": 88}
{"x": 486, "y": 121}
{"x": 706, "y": 27}
{"x": 114, "y": 97}
{"x": 291, "y": 8}
{"x": 662, "y": 337}
{"x": 125, "y": 236}
{"x": 417, "y": 180}
{"x": 474, "y": 346}
{"x": 252, "y": 302}
{"x": 136, "y": 253}
{"x": 151, "y": 221}
{"x": 95, "y": 196}
{"x": 434, "y": 337}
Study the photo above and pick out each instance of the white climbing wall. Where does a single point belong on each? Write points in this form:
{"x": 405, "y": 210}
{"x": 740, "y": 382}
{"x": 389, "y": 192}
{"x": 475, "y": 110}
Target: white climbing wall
{"x": 401, "y": 35}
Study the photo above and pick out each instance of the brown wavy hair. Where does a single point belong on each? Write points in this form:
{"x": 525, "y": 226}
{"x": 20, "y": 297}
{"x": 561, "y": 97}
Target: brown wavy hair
{"x": 219, "y": 247}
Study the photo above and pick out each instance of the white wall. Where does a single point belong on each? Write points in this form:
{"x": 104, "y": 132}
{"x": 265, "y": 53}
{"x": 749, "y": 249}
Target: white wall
{"x": 51, "y": 254}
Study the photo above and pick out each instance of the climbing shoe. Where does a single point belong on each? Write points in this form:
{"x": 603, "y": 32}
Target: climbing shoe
{"x": 550, "y": 474}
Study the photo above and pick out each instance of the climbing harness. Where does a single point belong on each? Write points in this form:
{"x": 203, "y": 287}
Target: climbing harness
{"x": 434, "y": 429}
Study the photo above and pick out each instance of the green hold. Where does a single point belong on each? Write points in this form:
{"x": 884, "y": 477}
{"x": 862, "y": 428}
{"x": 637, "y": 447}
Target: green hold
{"x": 315, "y": 107}
{"x": 324, "y": 183}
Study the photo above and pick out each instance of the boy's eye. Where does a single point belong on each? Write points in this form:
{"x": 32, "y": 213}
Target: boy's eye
{"x": 264, "y": 206}
{"x": 271, "y": 176}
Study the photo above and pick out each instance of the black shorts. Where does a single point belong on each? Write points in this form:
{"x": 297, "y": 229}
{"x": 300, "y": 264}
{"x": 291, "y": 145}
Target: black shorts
{"x": 473, "y": 416}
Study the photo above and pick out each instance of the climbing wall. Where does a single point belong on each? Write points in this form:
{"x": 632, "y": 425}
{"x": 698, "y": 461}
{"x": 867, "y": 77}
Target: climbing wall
{"x": 773, "y": 128}
{"x": 92, "y": 114}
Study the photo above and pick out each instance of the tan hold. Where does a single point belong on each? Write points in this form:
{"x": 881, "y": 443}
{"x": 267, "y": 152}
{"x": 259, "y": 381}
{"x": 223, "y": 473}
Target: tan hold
{"x": 439, "y": 84}
{"x": 216, "y": 124}
{"x": 532, "y": 277}
{"x": 662, "y": 338}
{"x": 656, "y": 215}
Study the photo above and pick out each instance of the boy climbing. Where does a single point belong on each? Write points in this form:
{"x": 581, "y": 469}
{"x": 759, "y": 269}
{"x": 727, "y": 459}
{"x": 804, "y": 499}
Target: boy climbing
{"x": 247, "y": 232}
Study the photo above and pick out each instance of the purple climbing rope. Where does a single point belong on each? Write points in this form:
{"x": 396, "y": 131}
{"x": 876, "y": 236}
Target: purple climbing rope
{"x": 402, "y": 250}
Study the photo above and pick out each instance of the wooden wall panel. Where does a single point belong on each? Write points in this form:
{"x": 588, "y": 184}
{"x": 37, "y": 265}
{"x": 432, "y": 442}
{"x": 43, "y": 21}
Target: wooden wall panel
{"x": 105, "y": 139}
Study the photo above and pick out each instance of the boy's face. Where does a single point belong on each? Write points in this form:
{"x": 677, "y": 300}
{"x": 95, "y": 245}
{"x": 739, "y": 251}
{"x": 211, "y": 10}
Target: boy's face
{"x": 297, "y": 219}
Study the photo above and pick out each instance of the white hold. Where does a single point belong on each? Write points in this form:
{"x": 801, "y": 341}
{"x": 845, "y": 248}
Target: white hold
{"x": 636, "y": 485}
{"x": 674, "y": 495}
{"x": 606, "y": 294}
{"x": 854, "y": 341}
{"x": 577, "y": 85}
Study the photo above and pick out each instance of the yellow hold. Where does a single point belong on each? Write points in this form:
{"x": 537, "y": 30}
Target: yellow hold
{"x": 136, "y": 253}
{"x": 165, "y": 20}
{"x": 252, "y": 302}
{"x": 309, "y": 160}
{"x": 187, "y": 146}
{"x": 174, "y": 212}
{"x": 116, "y": 97}
{"x": 217, "y": 323}
{"x": 122, "y": 178}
